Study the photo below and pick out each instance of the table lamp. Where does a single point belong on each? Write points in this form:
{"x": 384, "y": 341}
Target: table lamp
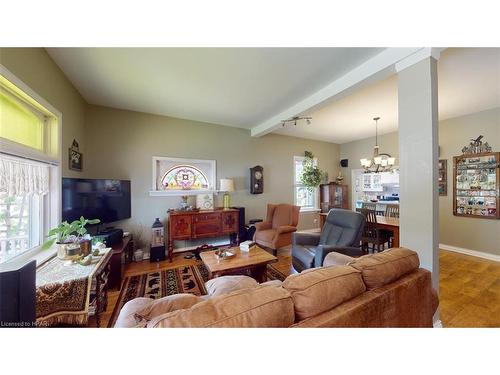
{"x": 227, "y": 186}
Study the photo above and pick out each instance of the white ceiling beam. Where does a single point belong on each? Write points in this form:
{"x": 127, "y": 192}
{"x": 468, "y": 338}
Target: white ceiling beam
{"x": 418, "y": 56}
{"x": 378, "y": 67}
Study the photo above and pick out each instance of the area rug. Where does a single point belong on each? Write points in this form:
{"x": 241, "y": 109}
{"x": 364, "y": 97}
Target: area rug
{"x": 186, "y": 279}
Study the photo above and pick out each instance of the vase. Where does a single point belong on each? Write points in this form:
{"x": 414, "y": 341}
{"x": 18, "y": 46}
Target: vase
{"x": 67, "y": 251}
{"x": 85, "y": 247}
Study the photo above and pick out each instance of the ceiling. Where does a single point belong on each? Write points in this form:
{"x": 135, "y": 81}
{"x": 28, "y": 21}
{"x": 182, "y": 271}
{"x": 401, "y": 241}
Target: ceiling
{"x": 229, "y": 86}
{"x": 468, "y": 82}
{"x": 243, "y": 87}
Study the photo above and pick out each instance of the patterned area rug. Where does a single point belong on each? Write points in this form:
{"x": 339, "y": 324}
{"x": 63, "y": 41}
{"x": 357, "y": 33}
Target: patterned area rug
{"x": 186, "y": 279}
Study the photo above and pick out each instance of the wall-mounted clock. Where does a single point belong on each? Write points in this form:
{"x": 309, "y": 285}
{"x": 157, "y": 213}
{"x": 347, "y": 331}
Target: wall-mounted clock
{"x": 257, "y": 180}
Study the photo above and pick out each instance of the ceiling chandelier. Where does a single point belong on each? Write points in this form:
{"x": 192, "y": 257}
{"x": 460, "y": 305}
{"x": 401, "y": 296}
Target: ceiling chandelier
{"x": 294, "y": 120}
{"x": 380, "y": 162}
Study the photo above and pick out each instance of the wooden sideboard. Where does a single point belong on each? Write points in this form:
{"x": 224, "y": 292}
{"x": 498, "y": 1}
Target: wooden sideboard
{"x": 189, "y": 225}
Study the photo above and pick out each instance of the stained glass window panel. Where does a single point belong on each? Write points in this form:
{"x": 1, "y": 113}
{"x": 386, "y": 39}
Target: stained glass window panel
{"x": 184, "y": 177}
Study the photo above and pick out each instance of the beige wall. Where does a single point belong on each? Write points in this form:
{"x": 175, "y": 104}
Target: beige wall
{"x": 36, "y": 69}
{"x": 121, "y": 144}
{"x": 474, "y": 234}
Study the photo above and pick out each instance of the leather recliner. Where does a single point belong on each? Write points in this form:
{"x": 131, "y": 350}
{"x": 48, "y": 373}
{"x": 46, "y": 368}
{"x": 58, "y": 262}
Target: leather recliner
{"x": 341, "y": 233}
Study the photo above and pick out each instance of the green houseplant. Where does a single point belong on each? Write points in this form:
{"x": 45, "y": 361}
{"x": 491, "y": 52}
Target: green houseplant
{"x": 311, "y": 175}
{"x": 68, "y": 243}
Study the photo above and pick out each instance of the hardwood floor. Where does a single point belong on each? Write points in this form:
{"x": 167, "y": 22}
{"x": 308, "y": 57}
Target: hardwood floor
{"x": 469, "y": 287}
{"x": 469, "y": 291}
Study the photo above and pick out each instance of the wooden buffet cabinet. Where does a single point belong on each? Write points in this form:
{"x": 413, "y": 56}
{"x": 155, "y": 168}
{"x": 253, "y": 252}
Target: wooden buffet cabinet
{"x": 189, "y": 225}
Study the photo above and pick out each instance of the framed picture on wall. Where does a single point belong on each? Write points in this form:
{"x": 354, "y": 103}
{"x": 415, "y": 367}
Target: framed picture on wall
{"x": 75, "y": 157}
{"x": 442, "y": 177}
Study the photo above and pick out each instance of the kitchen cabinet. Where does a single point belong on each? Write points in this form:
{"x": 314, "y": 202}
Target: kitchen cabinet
{"x": 372, "y": 182}
{"x": 390, "y": 178}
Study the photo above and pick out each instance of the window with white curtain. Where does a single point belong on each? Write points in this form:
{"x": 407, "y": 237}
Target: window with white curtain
{"x": 29, "y": 168}
{"x": 23, "y": 185}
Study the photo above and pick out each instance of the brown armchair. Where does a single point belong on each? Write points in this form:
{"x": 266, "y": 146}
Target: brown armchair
{"x": 276, "y": 231}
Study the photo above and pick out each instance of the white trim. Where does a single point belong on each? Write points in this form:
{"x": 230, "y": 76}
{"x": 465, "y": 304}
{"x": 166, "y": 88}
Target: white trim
{"x": 376, "y": 68}
{"x": 474, "y": 253}
{"x": 47, "y": 155}
{"x": 354, "y": 194}
{"x": 296, "y": 185}
{"x": 27, "y": 90}
{"x": 51, "y": 202}
{"x": 180, "y": 193}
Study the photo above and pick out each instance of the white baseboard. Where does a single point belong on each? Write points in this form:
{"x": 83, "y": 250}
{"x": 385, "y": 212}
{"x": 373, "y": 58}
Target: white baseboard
{"x": 473, "y": 253}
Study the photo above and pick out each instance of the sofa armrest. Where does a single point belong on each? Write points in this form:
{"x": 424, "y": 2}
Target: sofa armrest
{"x": 263, "y": 225}
{"x": 286, "y": 229}
{"x": 305, "y": 238}
{"x": 323, "y": 250}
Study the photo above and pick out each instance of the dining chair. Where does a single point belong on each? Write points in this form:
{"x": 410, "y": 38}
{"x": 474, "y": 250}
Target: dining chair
{"x": 372, "y": 234}
{"x": 392, "y": 210}
{"x": 369, "y": 206}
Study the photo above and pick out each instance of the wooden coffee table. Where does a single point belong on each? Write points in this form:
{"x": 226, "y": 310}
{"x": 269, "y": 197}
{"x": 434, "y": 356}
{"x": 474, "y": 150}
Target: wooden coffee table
{"x": 253, "y": 263}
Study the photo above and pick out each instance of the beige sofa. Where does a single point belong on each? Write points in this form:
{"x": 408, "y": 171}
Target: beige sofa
{"x": 386, "y": 289}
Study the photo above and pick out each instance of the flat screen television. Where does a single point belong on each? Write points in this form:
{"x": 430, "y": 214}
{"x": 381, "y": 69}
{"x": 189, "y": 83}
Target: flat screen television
{"x": 103, "y": 199}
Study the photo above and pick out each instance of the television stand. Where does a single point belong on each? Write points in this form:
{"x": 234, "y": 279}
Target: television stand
{"x": 111, "y": 236}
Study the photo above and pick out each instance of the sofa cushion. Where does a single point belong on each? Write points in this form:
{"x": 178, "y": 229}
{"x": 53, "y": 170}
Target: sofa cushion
{"x": 317, "y": 290}
{"x": 263, "y": 306}
{"x": 228, "y": 284}
{"x": 273, "y": 283}
{"x": 385, "y": 267}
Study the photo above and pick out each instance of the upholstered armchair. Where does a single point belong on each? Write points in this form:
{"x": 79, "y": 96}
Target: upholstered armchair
{"x": 340, "y": 233}
{"x": 276, "y": 231}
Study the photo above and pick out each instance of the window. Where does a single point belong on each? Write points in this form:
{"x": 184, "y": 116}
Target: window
{"x": 304, "y": 197}
{"x": 29, "y": 168}
{"x": 20, "y": 224}
{"x": 184, "y": 177}
{"x": 175, "y": 176}
{"x": 19, "y": 123}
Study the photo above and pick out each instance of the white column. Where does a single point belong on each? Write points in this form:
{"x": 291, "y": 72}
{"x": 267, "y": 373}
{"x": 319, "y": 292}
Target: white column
{"x": 418, "y": 154}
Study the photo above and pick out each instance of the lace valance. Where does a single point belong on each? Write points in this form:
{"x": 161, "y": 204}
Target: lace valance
{"x": 20, "y": 177}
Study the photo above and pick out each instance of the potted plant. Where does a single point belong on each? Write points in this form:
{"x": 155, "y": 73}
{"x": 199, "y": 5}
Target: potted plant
{"x": 83, "y": 238}
{"x": 68, "y": 244}
{"x": 311, "y": 175}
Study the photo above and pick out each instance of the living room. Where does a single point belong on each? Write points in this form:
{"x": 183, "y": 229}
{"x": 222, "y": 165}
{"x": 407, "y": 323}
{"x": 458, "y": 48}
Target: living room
{"x": 198, "y": 183}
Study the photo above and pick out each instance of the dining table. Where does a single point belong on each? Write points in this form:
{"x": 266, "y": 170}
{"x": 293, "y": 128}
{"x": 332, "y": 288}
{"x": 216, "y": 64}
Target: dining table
{"x": 391, "y": 224}
{"x": 383, "y": 222}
